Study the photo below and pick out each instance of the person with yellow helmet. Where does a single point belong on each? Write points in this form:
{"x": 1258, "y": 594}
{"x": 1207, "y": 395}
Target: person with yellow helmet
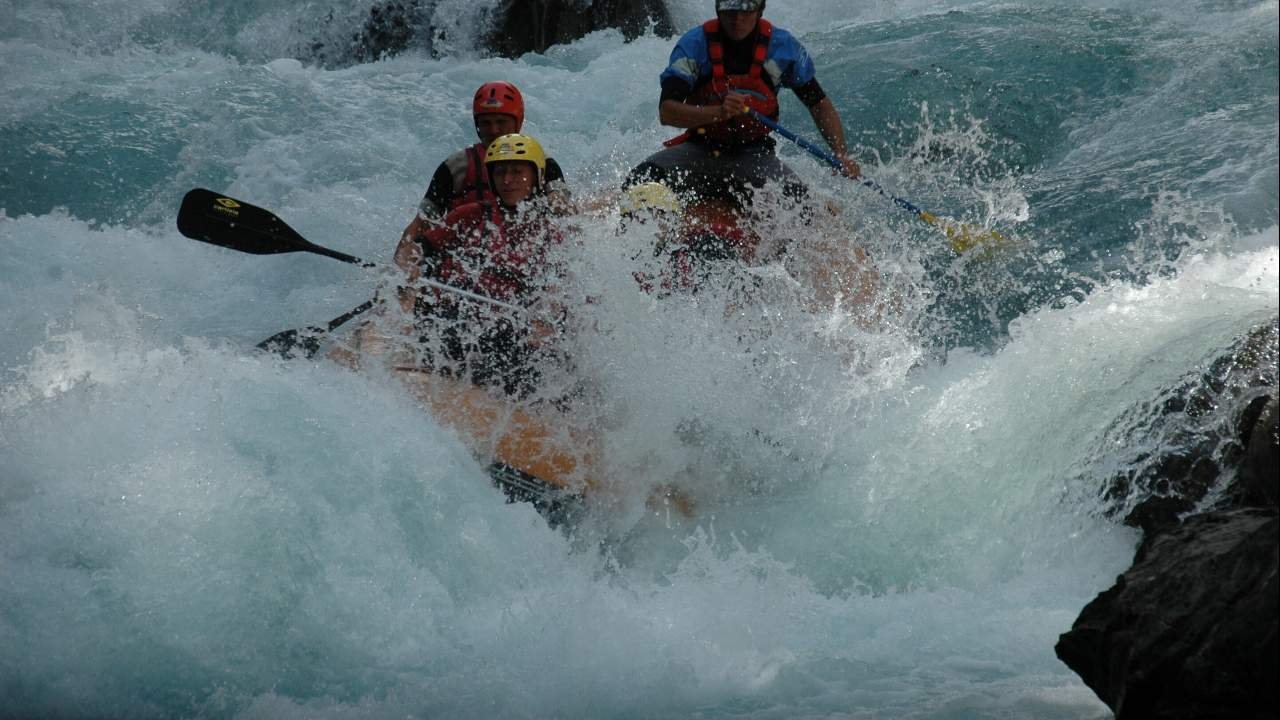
{"x": 499, "y": 248}
{"x": 695, "y": 241}
{"x": 497, "y": 108}
{"x": 690, "y": 240}
{"x": 517, "y": 168}
{"x": 648, "y": 199}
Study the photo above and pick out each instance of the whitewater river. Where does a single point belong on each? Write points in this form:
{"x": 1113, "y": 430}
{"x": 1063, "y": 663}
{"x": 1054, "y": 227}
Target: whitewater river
{"x": 895, "y": 520}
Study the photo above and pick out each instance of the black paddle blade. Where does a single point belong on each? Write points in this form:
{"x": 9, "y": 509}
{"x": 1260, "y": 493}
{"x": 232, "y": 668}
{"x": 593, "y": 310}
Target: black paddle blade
{"x": 219, "y": 220}
{"x": 235, "y": 224}
{"x": 304, "y": 343}
{"x": 559, "y": 507}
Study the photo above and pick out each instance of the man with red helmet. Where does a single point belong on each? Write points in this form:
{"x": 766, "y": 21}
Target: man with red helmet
{"x": 716, "y": 72}
{"x": 498, "y": 109}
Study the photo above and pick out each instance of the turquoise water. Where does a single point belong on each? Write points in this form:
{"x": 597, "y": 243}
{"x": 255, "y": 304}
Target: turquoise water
{"x": 188, "y": 529}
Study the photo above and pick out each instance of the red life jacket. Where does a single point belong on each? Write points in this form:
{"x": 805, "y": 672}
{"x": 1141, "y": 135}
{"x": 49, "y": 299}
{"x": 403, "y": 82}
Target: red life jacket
{"x": 687, "y": 261}
{"x": 761, "y": 97}
{"x": 481, "y": 251}
{"x": 474, "y": 186}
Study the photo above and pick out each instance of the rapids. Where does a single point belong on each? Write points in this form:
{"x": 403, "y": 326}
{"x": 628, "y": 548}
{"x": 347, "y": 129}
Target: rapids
{"x": 896, "y": 520}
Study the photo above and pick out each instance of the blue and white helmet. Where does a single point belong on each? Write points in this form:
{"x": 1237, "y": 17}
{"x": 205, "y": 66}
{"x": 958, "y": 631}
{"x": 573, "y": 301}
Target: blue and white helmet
{"x": 742, "y": 5}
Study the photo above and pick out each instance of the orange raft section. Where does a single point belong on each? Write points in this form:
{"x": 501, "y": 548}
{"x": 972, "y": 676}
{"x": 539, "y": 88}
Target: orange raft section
{"x": 544, "y": 445}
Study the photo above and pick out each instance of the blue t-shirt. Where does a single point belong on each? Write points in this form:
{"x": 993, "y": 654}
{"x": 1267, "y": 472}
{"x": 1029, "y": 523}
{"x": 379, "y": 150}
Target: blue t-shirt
{"x": 787, "y": 63}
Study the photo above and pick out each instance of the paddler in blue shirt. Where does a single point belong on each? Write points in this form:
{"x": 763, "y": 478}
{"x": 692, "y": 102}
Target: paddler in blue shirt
{"x": 716, "y": 72}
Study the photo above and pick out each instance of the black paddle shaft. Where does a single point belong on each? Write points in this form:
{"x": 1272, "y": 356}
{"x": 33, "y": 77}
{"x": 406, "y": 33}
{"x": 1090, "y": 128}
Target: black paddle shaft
{"x": 306, "y": 341}
{"x": 214, "y": 218}
{"x": 219, "y": 220}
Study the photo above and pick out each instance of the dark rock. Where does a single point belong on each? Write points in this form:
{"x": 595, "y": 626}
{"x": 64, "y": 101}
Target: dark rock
{"x": 1189, "y": 632}
{"x": 520, "y": 26}
{"x": 1260, "y": 470}
{"x": 1158, "y": 512}
{"x": 1178, "y": 448}
{"x": 392, "y": 27}
{"x": 535, "y": 25}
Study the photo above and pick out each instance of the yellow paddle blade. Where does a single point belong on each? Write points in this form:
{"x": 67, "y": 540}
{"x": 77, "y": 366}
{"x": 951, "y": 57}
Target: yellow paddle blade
{"x": 965, "y": 237}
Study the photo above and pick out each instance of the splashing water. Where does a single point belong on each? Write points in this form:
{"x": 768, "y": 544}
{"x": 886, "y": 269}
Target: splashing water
{"x": 898, "y": 509}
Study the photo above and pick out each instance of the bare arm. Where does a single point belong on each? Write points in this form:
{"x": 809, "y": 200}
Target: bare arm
{"x": 828, "y": 122}
{"x": 684, "y": 115}
{"x": 408, "y": 251}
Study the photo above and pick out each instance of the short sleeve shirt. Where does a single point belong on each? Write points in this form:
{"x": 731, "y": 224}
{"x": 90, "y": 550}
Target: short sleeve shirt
{"x": 787, "y": 63}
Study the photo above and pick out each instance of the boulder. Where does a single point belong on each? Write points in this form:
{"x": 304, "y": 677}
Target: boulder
{"x": 1189, "y": 632}
{"x": 1201, "y": 429}
{"x": 391, "y": 28}
{"x": 534, "y": 25}
{"x": 519, "y": 27}
{"x": 1260, "y": 471}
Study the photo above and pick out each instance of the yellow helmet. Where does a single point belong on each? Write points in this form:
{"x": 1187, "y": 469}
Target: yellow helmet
{"x": 653, "y": 197}
{"x": 517, "y": 147}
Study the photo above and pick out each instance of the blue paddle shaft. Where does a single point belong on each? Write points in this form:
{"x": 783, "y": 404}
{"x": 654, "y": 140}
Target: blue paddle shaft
{"x": 831, "y": 160}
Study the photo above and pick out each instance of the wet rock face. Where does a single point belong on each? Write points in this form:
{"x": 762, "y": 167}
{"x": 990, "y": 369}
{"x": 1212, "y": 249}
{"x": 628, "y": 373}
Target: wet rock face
{"x": 1179, "y": 447}
{"x": 391, "y": 28}
{"x": 535, "y": 25}
{"x": 519, "y": 27}
{"x": 1190, "y": 630}
{"x": 1260, "y": 471}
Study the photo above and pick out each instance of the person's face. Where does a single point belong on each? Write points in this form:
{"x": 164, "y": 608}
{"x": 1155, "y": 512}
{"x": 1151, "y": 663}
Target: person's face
{"x": 737, "y": 24}
{"x": 513, "y": 181}
{"x": 491, "y": 126}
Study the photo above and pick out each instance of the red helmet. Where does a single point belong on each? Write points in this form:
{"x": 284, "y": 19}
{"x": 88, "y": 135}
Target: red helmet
{"x": 499, "y": 97}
